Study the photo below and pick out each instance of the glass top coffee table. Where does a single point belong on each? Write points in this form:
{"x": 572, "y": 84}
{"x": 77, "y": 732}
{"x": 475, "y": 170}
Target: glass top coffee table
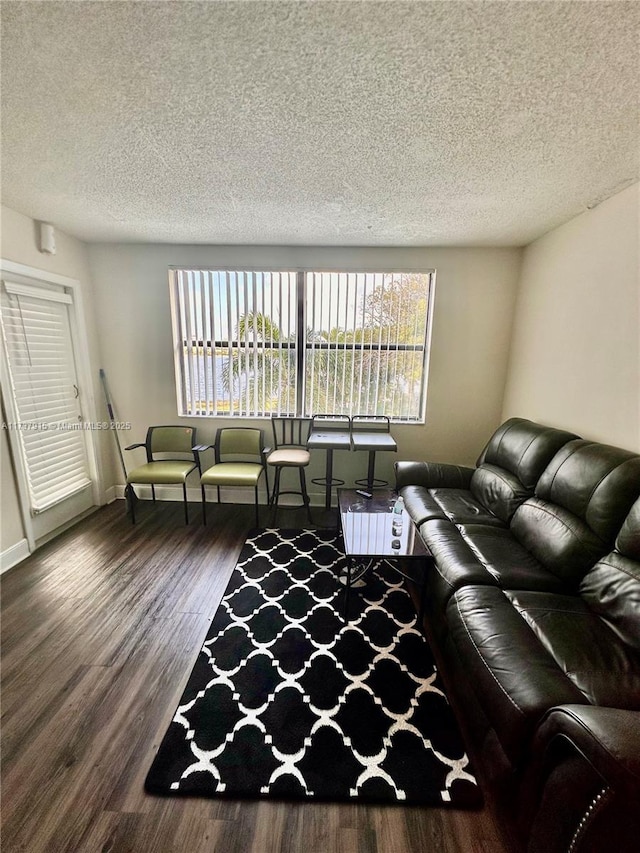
{"x": 365, "y": 524}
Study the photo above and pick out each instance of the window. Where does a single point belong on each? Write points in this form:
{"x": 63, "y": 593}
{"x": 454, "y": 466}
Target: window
{"x": 258, "y": 343}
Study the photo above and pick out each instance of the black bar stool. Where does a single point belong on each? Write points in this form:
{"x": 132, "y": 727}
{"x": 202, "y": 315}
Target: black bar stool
{"x": 372, "y": 433}
{"x": 329, "y": 432}
{"x": 290, "y": 451}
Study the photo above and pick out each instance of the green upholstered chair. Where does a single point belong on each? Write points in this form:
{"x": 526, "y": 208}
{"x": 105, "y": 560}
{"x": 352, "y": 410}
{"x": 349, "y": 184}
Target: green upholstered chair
{"x": 240, "y": 457}
{"x": 161, "y": 441}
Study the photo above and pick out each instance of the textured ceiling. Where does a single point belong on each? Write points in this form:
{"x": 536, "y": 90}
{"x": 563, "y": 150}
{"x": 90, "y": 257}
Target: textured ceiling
{"x": 326, "y": 123}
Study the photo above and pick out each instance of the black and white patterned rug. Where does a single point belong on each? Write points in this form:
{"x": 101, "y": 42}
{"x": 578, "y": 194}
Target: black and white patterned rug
{"x": 288, "y": 700}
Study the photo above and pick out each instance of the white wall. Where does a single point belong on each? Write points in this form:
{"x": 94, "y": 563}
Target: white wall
{"x": 575, "y": 355}
{"x": 19, "y": 243}
{"x": 475, "y": 298}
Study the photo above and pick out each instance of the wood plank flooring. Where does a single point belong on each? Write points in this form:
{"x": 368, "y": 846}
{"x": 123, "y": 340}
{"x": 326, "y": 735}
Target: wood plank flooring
{"x": 100, "y": 630}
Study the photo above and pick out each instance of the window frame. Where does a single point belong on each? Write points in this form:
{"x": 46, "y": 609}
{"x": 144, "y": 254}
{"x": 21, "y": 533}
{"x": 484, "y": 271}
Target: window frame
{"x": 301, "y": 345}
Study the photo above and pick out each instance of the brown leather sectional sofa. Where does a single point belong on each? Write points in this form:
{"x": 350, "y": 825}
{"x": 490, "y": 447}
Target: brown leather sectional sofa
{"x": 533, "y": 611}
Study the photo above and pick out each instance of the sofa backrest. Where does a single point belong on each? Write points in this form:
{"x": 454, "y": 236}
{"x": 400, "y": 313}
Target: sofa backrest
{"x": 580, "y": 503}
{"x": 612, "y": 587}
{"x": 511, "y": 463}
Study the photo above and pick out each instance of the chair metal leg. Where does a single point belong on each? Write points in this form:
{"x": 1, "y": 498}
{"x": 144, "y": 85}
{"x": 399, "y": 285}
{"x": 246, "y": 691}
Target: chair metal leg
{"x": 186, "y": 505}
{"x": 257, "y": 512}
{"x": 204, "y": 506}
{"x": 371, "y": 482}
{"x": 131, "y": 507}
{"x": 153, "y": 492}
{"x": 266, "y": 482}
{"x": 371, "y": 471}
{"x": 275, "y": 494}
{"x": 328, "y": 476}
{"x": 305, "y": 496}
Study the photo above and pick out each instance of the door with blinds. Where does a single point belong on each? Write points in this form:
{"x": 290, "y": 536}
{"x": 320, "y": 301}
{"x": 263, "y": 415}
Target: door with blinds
{"x": 43, "y": 404}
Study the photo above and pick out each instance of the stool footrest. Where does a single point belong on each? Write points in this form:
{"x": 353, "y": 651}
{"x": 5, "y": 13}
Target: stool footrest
{"x": 279, "y": 495}
{"x": 323, "y": 481}
{"x": 376, "y": 483}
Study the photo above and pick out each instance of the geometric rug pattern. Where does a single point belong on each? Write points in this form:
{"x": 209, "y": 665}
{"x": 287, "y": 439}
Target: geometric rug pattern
{"x": 289, "y": 700}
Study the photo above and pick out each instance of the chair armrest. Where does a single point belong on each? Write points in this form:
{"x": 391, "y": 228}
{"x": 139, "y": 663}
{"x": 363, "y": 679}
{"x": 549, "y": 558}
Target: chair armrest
{"x": 133, "y": 446}
{"x": 432, "y": 475}
{"x": 584, "y": 780}
{"x": 200, "y": 448}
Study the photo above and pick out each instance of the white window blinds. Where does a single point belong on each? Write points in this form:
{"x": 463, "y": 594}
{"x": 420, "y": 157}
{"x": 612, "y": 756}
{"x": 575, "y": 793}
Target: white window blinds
{"x": 255, "y": 344}
{"x": 39, "y": 353}
{"x": 235, "y": 342}
{"x": 367, "y": 343}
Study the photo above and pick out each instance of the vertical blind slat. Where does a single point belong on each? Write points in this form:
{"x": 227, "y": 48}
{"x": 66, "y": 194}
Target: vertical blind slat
{"x": 231, "y": 348}
{"x": 353, "y": 278}
{"x": 203, "y": 358}
{"x": 279, "y": 410}
{"x": 211, "y": 336}
{"x": 334, "y": 323}
{"x": 379, "y": 360}
{"x": 256, "y": 362}
{"x": 189, "y": 342}
{"x": 309, "y": 409}
{"x": 369, "y": 339}
{"x": 343, "y": 355}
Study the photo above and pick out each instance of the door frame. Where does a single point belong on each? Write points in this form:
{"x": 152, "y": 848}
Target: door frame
{"x": 80, "y": 346}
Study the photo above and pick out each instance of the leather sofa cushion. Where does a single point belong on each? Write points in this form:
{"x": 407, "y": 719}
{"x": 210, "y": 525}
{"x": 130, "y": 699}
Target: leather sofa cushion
{"x": 461, "y": 507}
{"x": 557, "y": 538}
{"x": 524, "y": 448}
{"x": 514, "y": 677}
{"x": 420, "y": 505}
{"x": 628, "y": 539}
{"x": 612, "y": 588}
{"x": 484, "y": 555}
{"x": 454, "y": 560}
{"x": 595, "y": 482}
{"x": 603, "y": 668}
{"x": 498, "y": 490}
{"x": 511, "y": 565}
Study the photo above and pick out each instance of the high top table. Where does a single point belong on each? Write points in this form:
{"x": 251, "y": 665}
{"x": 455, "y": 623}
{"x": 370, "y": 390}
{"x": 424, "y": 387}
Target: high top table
{"x": 373, "y": 434}
{"x": 329, "y": 432}
{"x": 365, "y": 524}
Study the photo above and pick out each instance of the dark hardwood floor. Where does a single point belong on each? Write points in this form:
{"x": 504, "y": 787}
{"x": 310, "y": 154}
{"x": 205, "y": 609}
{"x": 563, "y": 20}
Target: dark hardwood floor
{"x": 100, "y": 630}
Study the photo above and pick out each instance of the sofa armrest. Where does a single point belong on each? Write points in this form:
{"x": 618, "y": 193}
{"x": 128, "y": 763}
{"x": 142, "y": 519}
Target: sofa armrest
{"x": 432, "y": 475}
{"x": 583, "y": 785}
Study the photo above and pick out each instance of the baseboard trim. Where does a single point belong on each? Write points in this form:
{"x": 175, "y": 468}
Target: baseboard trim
{"x": 14, "y": 555}
{"x": 110, "y": 495}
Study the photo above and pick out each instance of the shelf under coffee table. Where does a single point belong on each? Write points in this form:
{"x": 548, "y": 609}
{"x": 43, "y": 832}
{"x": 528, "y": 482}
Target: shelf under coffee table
{"x": 365, "y": 525}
